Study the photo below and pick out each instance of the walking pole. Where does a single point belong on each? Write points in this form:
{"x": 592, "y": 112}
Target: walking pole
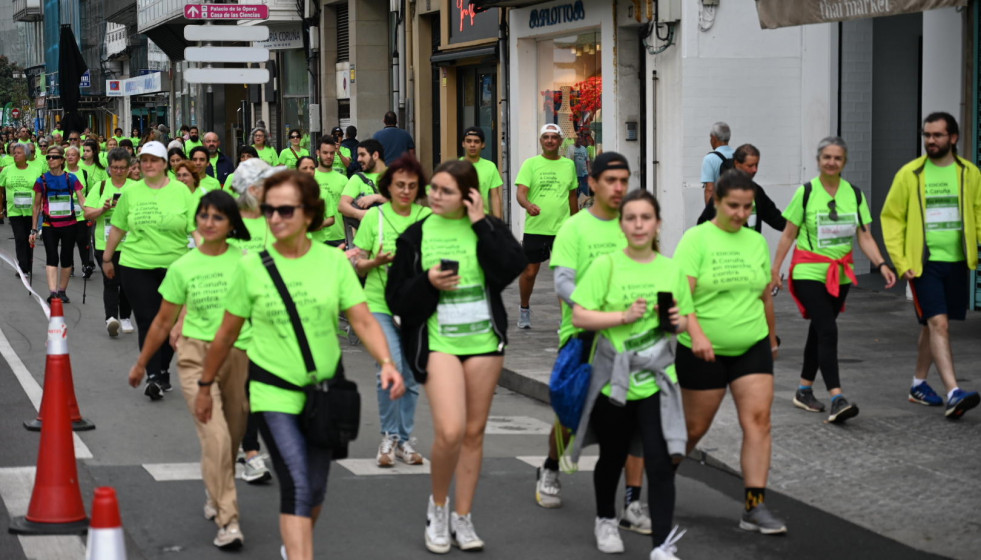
{"x": 40, "y": 221}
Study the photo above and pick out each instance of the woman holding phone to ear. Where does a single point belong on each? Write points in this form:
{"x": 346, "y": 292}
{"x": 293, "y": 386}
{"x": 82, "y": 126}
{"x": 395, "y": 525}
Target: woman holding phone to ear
{"x": 728, "y": 343}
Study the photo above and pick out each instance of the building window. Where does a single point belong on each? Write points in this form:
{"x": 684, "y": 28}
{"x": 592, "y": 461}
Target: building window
{"x": 570, "y": 87}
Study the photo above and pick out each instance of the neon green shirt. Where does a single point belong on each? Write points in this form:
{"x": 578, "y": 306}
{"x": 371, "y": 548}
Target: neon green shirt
{"x": 322, "y": 283}
{"x": 103, "y": 224}
{"x": 190, "y": 145}
{"x": 385, "y": 220}
{"x": 287, "y": 158}
{"x": 86, "y": 180}
{"x": 331, "y": 184}
{"x": 6, "y": 159}
{"x": 731, "y": 270}
{"x": 944, "y": 225}
{"x": 157, "y": 222}
{"x": 462, "y": 322}
{"x": 19, "y": 184}
{"x": 338, "y": 164}
{"x": 355, "y": 186}
{"x": 96, "y": 174}
{"x": 823, "y": 235}
{"x": 549, "y": 182}
{"x": 259, "y": 231}
{"x": 208, "y": 184}
{"x": 582, "y": 239}
{"x": 613, "y": 283}
{"x": 489, "y": 178}
{"x": 267, "y": 154}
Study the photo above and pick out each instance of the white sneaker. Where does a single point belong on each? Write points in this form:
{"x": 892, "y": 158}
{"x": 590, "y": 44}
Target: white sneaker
{"x": 126, "y": 326}
{"x": 255, "y": 470}
{"x": 636, "y": 518}
{"x": 463, "y": 534}
{"x": 608, "y": 536}
{"x": 548, "y": 490}
{"x": 210, "y": 511}
{"x": 406, "y": 452}
{"x": 229, "y": 537}
{"x": 668, "y": 549}
{"x": 524, "y": 318}
{"x": 386, "y": 451}
{"x": 112, "y": 325}
{"x": 438, "y": 527}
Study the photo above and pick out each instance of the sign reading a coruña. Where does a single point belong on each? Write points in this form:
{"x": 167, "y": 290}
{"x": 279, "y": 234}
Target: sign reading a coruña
{"x": 785, "y": 13}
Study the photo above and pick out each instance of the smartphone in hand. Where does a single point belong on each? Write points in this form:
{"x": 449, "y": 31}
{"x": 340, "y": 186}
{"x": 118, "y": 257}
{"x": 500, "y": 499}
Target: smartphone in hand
{"x": 665, "y": 301}
{"x": 449, "y": 264}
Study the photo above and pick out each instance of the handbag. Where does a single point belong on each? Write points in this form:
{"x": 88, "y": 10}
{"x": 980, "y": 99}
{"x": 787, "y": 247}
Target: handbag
{"x": 332, "y": 411}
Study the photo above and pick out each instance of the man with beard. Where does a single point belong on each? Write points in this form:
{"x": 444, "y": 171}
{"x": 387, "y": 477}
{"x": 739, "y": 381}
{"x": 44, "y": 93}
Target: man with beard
{"x": 193, "y": 140}
{"x": 931, "y": 223}
{"x": 219, "y": 166}
{"x": 361, "y": 191}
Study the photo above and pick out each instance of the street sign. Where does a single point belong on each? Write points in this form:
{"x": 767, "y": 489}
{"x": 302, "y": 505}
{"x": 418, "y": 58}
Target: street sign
{"x": 212, "y": 33}
{"x": 226, "y": 54}
{"x": 226, "y": 76}
{"x": 86, "y": 80}
{"x": 15, "y": 113}
{"x": 226, "y": 11}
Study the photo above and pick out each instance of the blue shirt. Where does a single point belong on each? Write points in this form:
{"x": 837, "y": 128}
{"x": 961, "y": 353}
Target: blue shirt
{"x": 712, "y": 162}
{"x": 395, "y": 141}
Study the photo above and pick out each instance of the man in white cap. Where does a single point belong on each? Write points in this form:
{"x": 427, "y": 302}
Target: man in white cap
{"x": 547, "y": 186}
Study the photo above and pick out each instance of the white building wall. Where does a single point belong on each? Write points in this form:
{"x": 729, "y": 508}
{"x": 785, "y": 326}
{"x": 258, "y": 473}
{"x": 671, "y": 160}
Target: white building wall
{"x": 943, "y": 62}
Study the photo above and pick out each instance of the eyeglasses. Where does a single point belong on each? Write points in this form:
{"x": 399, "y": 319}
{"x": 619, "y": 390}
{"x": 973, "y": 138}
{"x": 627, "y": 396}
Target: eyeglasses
{"x": 214, "y": 216}
{"x": 118, "y": 169}
{"x": 285, "y": 212}
{"x": 43, "y": 145}
{"x": 833, "y": 207}
{"x": 49, "y": 158}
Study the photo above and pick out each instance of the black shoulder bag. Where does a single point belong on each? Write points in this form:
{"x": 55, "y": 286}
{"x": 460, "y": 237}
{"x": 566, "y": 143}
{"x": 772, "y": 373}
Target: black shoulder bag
{"x": 332, "y": 412}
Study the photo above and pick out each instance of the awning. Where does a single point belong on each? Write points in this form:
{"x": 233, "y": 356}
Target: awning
{"x": 448, "y": 57}
{"x": 786, "y": 13}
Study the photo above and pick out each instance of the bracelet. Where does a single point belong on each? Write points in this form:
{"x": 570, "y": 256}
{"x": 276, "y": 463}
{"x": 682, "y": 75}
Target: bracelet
{"x": 205, "y": 383}
{"x": 385, "y": 361}
{"x": 880, "y": 265}
{"x": 33, "y": 231}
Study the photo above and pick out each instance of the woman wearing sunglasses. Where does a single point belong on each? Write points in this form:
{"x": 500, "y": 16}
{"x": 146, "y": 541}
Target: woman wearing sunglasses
{"x": 824, "y": 219}
{"x": 58, "y": 197}
{"x": 155, "y": 214}
{"x": 291, "y": 155}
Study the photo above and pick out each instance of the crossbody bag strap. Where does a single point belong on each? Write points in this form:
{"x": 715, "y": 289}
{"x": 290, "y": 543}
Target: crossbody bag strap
{"x": 284, "y": 293}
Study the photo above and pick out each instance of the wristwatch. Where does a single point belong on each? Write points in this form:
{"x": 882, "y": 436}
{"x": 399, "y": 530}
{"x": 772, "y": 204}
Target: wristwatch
{"x": 205, "y": 384}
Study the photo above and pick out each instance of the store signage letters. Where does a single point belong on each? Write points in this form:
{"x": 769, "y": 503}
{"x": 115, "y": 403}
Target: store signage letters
{"x": 566, "y": 13}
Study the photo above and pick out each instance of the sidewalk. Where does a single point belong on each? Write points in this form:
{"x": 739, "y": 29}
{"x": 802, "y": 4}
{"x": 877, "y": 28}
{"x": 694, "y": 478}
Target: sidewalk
{"x": 898, "y": 469}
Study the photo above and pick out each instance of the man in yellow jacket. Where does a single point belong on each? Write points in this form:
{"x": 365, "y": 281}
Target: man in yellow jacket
{"x": 931, "y": 223}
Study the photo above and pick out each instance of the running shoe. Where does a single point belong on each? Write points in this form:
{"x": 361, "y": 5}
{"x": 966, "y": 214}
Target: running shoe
{"x": 255, "y": 471}
{"x": 210, "y": 511}
{"x": 112, "y": 325}
{"x": 463, "y": 534}
{"x": 608, "y": 536}
{"x": 524, "y": 318}
{"x": 87, "y": 271}
{"x": 164, "y": 381}
{"x": 667, "y": 549}
{"x": 960, "y": 402}
{"x": 924, "y": 394}
{"x": 438, "y": 527}
{"x": 64, "y": 297}
{"x": 126, "y": 325}
{"x": 636, "y": 518}
{"x": 153, "y": 390}
{"x": 229, "y": 537}
{"x": 761, "y": 519}
{"x": 386, "y": 451}
{"x": 842, "y": 410}
{"x": 804, "y": 398}
{"x": 406, "y": 452}
{"x": 548, "y": 490}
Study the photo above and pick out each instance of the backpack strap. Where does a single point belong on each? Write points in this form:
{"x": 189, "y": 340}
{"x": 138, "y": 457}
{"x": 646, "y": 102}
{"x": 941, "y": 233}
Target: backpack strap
{"x": 803, "y": 221}
{"x": 364, "y": 178}
{"x": 718, "y": 153}
{"x": 102, "y": 189}
{"x": 284, "y": 293}
{"x": 858, "y": 206}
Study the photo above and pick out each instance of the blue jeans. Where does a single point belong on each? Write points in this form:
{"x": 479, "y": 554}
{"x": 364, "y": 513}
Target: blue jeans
{"x": 397, "y": 417}
{"x": 301, "y": 468}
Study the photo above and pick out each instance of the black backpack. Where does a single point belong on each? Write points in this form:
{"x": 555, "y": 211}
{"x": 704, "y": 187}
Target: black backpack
{"x": 727, "y": 163}
{"x": 807, "y": 196}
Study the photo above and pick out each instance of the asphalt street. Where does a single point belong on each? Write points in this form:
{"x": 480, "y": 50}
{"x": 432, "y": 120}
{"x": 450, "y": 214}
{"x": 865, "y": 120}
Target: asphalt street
{"x": 148, "y": 452}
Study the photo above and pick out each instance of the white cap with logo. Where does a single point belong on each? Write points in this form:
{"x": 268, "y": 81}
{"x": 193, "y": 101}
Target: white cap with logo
{"x": 154, "y": 148}
{"x": 550, "y": 128}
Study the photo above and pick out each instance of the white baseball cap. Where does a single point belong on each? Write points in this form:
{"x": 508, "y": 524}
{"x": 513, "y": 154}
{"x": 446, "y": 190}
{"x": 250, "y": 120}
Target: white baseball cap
{"x": 154, "y": 148}
{"x": 550, "y": 128}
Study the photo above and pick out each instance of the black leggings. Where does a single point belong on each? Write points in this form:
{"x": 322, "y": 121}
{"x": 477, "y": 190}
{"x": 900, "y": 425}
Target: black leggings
{"x": 58, "y": 245}
{"x": 83, "y": 239}
{"x": 114, "y": 299}
{"x": 141, "y": 285}
{"x": 22, "y": 231}
{"x": 615, "y": 427}
{"x": 250, "y": 440}
{"x": 821, "y": 349}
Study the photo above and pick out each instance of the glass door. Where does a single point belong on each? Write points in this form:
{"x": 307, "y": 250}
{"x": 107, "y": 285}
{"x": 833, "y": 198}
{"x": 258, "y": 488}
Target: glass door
{"x": 477, "y": 105}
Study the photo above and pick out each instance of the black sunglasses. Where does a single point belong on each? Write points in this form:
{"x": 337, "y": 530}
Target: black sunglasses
{"x": 834, "y": 210}
{"x": 293, "y": 136}
{"x": 49, "y": 158}
{"x": 285, "y": 212}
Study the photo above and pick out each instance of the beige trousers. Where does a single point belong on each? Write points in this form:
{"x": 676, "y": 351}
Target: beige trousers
{"x": 221, "y": 436}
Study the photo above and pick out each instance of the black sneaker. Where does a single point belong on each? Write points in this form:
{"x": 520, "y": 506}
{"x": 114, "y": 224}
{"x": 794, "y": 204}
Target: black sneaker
{"x": 152, "y": 389}
{"x": 163, "y": 380}
{"x": 87, "y": 271}
{"x": 64, "y": 297}
{"x": 842, "y": 410}
{"x": 804, "y": 398}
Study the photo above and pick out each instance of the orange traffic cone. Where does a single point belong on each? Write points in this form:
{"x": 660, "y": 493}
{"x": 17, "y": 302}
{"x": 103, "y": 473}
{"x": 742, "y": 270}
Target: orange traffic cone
{"x": 56, "y": 502}
{"x": 58, "y": 331}
{"x": 105, "y": 540}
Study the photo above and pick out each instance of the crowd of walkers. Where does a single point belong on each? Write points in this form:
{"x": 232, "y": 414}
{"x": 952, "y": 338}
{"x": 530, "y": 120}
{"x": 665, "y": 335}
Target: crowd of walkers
{"x": 246, "y": 270}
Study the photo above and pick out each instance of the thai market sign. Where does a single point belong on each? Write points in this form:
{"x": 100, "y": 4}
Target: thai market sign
{"x": 786, "y": 13}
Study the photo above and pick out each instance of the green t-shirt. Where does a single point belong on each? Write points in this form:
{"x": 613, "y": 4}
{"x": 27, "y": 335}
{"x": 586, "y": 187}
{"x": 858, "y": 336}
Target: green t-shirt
{"x": 731, "y": 271}
{"x": 338, "y": 164}
{"x": 355, "y": 186}
{"x": 201, "y": 282}
{"x": 462, "y": 322}
{"x": 19, "y": 184}
{"x": 95, "y": 173}
{"x": 188, "y": 146}
{"x": 86, "y": 180}
{"x": 614, "y": 283}
{"x": 322, "y": 283}
{"x": 549, "y": 182}
{"x": 489, "y": 178}
{"x": 267, "y": 154}
{"x": 944, "y": 225}
{"x": 582, "y": 239}
{"x": 383, "y": 219}
{"x": 331, "y": 184}
{"x": 287, "y": 158}
{"x": 136, "y": 140}
{"x": 157, "y": 222}
{"x": 227, "y": 187}
{"x": 207, "y": 184}
{"x": 6, "y": 159}
{"x": 261, "y": 237}
{"x": 823, "y": 235}
{"x": 103, "y": 224}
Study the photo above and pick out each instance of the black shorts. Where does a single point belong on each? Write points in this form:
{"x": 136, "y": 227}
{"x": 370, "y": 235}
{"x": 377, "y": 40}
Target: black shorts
{"x": 465, "y": 357}
{"x": 942, "y": 289}
{"x": 538, "y": 248}
{"x": 698, "y": 375}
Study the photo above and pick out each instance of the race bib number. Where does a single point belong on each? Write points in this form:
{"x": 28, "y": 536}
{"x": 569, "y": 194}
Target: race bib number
{"x": 942, "y": 213}
{"x": 106, "y": 231}
{"x": 835, "y": 232}
{"x": 463, "y": 312}
{"x": 59, "y": 206}
{"x": 23, "y": 201}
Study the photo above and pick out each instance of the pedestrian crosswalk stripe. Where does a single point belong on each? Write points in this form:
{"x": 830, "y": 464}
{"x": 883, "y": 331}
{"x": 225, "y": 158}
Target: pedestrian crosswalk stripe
{"x": 16, "y": 485}
{"x": 369, "y": 467}
{"x": 587, "y": 463}
{"x": 516, "y": 425}
{"x": 169, "y": 472}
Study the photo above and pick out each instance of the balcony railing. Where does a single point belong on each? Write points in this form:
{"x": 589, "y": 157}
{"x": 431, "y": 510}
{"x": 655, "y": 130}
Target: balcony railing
{"x": 28, "y": 10}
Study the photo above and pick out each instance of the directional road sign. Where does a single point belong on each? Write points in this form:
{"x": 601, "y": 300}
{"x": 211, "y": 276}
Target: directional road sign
{"x": 214, "y": 33}
{"x": 226, "y": 54}
{"x": 226, "y": 76}
{"x": 226, "y": 11}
